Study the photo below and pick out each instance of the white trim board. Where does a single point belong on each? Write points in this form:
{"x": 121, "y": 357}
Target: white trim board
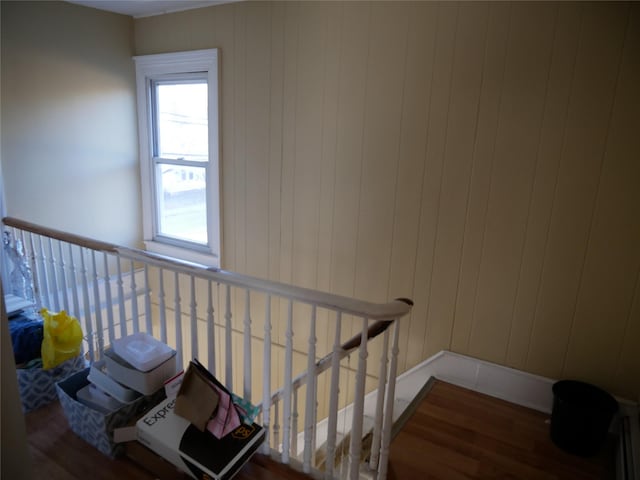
{"x": 515, "y": 386}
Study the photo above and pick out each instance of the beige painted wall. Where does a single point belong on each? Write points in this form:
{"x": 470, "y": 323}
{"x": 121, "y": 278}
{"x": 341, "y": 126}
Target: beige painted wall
{"x": 483, "y": 159}
{"x": 69, "y": 138}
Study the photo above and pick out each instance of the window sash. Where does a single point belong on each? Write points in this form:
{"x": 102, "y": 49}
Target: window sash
{"x": 170, "y": 68}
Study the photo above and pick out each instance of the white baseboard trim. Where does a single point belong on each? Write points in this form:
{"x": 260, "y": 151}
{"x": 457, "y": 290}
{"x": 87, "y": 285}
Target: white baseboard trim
{"x": 515, "y": 386}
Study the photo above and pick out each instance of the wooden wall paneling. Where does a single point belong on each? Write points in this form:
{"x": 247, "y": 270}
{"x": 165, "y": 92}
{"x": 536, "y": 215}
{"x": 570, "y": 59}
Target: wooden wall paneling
{"x": 240, "y": 137}
{"x": 224, "y": 26}
{"x": 289, "y": 97}
{"x": 202, "y": 35}
{"x": 548, "y": 153}
{"x": 627, "y": 376}
{"x": 495, "y": 49}
{"x": 593, "y": 88}
{"x": 276, "y": 112}
{"x": 381, "y": 137}
{"x": 329, "y": 133}
{"x": 410, "y": 162}
{"x": 461, "y": 129}
{"x": 440, "y": 70}
{"x": 308, "y": 157}
{"x": 258, "y": 89}
{"x": 350, "y": 120}
{"x": 613, "y": 251}
{"x": 148, "y": 34}
{"x": 517, "y": 138}
{"x": 308, "y": 143}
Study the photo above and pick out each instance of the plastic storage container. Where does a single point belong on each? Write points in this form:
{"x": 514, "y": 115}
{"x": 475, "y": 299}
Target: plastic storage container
{"x": 581, "y": 417}
{"x": 142, "y": 351}
{"x": 99, "y": 378}
{"x": 143, "y": 382}
{"x": 93, "y": 397}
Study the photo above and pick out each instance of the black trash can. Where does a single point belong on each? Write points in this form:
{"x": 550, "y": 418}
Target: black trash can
{"x": 581, "y": 417}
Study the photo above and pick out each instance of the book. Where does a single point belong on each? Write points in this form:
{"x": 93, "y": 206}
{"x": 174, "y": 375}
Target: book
{"x": 199, "y": 454}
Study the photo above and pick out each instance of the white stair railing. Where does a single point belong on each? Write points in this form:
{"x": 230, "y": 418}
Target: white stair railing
{"x": 304, "y": 377}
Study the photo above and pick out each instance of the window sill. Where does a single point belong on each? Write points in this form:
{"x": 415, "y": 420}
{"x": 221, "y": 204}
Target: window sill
{"x": 208, "y": 260}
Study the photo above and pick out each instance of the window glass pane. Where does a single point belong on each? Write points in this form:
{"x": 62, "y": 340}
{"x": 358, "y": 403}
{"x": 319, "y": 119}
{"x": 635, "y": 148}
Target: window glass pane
{"x": 182, "y": 206}
{"x": 181, "y": 121}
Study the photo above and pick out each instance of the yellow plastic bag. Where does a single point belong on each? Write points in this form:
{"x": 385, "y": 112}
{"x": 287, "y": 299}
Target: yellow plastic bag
{"x": 62, "y": 337}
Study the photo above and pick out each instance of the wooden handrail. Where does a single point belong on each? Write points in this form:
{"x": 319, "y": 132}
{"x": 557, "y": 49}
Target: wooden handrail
{"x": 60, "y": 235}
{"x": 389, "y": 311}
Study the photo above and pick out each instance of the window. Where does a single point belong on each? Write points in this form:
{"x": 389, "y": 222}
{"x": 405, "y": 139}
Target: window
{"x": 179, "y": 165}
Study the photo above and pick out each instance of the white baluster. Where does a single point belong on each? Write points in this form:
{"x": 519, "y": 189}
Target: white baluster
{"x": 194, "y": 320}
{"x": 382, "y": 383}
{"x": 96, "y": 302}
{"x": 276, "y": 424}
{"x": 163, "y": 307}
{"x": 211, "y": 326}
{"x": 294, "y": 424}
{"x": 73, "y": 272}
{"x": 30, "y": 286}
{"x": 355, "y": 446}
{"x": 227, "y": 339}
{"x": 288, "y": 361}
{"x": 134, "y": 300}
{"x": 147, "y": 301}
{"x": 54, "y": 277}
{"x": 388, "y": 412}
{"x": 247, "y": 347}
{"x": 121, "y": 301}
{"x": 333, "y": 400}
{"x": 44, "y": 276}
{"x": 266, "y": 374}
{"x": 311, "y": 394}
{"x": 109, "y": 299}
{"x": 87, "y": 305}
{"x": 36, "y": 273}
{"x": 63, "y": 278}
{"x": 178, "y": 321}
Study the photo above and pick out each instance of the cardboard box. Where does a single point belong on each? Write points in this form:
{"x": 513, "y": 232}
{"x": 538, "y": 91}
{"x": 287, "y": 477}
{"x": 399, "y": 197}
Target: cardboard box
{"x": 93, "y": 426}
{"x": 38, "y": 387}
{"x": 197, "y": 453}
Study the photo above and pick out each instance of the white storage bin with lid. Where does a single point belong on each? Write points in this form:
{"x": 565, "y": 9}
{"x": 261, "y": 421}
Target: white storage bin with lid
{"x": 99, "y": 377}
{"x": 95, "y": 398}
{"x": 143, "y": 382}
{"x": 142, "y": 351}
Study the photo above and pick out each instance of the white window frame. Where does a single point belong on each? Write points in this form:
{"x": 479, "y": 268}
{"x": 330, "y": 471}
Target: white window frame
{"x": 157, "y": 67}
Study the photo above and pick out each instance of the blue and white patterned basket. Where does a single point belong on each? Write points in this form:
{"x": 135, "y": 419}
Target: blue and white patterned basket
{"x": 38, "y": 387}
{"x": 95, "y": 427}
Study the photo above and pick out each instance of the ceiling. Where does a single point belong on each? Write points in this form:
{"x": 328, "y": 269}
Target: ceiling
{"x": 146, "y": 8}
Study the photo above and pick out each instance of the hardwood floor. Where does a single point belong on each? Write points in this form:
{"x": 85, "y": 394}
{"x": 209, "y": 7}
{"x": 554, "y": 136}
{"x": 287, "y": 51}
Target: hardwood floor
{"x": 58, "y": 454}
{"x": 456, "y": 434}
